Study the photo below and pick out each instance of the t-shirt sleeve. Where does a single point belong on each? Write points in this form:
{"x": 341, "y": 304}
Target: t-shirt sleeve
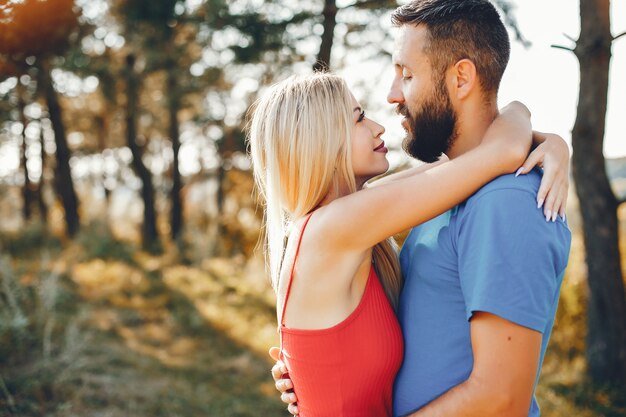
{"x": 511, "y": 261}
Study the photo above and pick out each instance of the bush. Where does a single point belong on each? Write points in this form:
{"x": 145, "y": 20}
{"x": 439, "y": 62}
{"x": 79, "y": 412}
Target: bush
{"x": 96, "y": 241}
{"x": 30, "y": 240}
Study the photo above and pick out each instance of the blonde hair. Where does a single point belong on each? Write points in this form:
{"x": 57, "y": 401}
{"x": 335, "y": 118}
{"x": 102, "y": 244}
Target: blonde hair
{"x": 299, "y": 136}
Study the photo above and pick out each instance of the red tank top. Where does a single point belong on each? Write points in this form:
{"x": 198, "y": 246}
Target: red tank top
{"x": 346, "y": 370}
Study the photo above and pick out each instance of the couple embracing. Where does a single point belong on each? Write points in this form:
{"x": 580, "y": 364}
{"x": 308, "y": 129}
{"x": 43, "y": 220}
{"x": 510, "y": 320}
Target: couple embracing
{"x": 457, "y": 325}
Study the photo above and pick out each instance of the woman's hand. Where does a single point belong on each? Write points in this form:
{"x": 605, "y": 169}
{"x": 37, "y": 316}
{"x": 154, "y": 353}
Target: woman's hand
{"x": 509, "y": 137}
{"x": 552, "y": 154}
{"x": 283, "y": 383}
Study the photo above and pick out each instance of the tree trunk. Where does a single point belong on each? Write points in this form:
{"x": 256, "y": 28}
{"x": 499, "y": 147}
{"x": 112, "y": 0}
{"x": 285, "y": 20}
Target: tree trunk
{"x": 102, "y": 124}
{"x": 149, "y": 234}
{"x": 606, "y": 338}
{"x": 43, "y": 209}
{"x": 174, "y": 133}
{"x": 220, "y": 245}
{"x": 330, "y": 21}
{"x": 63, "y": 175}
{"x": 27, "y": 186}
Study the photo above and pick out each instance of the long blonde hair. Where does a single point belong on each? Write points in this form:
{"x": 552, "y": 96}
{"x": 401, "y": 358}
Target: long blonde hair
{"x": 299, "y": 136}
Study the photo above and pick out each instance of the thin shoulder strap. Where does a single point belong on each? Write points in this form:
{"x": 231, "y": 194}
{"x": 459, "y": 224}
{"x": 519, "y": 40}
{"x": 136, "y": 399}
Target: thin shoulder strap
{"x": 293, "y": 267}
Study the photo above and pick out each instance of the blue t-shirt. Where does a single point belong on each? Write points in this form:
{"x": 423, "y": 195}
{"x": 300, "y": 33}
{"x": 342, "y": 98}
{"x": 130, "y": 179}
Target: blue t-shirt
{"x": 493, "y": 253}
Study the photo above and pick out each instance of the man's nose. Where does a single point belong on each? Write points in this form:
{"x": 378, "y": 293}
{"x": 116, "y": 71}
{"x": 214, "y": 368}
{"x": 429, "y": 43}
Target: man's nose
{"x": 395, "y": 93}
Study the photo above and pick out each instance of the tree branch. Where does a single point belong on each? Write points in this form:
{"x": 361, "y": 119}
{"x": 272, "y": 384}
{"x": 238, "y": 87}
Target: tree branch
{"x": 562, "y": 47}
{"x": 372, "y": 5}
{"x": 571, "y": 38}
{"x": 619, "y": 36}
{"x": 509, "y": 20}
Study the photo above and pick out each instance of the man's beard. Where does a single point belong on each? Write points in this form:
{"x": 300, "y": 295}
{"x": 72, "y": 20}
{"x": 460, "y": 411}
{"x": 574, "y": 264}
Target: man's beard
{"x": 432, "y": 128}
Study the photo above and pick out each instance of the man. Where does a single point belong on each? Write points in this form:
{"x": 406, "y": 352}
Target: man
{"x": 482, "y": 281}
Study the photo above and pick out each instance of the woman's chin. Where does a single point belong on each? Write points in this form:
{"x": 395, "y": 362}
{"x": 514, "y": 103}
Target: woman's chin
{"x": 385, "y": 167}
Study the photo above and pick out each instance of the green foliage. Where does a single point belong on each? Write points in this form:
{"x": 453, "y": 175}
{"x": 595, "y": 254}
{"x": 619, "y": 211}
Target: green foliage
{"x": 96, "y": 241}
{"x": 603, "y": 401}
{"x": 39, "y": 339}
{"x": 149, "y": 11}
{"x": 26, "y": 311}
{"x": 13, "y": 319}
{"x": 31, "y": 239}
{"x": 260, "y": 35}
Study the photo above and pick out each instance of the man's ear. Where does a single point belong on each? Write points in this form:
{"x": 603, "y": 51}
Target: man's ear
{"x": 463, "y": 79}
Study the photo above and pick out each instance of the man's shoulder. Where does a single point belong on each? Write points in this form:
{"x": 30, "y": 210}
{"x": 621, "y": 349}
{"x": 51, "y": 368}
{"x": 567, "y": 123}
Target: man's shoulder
{"x": 507, "y": 196}
{"x": 506, "y": 185}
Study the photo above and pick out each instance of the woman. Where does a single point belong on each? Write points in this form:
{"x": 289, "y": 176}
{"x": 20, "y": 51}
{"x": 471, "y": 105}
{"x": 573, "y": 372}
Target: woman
{"x": 337, "y": 277}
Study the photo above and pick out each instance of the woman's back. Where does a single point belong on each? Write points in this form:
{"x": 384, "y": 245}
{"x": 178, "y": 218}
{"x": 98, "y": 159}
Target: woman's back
{"x": 329, "y": 284}
{"x": 347, "y": 369}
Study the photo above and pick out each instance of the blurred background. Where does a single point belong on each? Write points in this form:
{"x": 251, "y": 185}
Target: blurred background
{"x": 131, "y": 280}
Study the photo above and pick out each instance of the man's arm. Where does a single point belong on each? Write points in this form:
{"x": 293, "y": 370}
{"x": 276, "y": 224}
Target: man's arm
{"x": 506, "y": 361}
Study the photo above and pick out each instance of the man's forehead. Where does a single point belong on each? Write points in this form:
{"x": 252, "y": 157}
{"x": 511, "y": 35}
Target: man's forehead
{"x": 409, "y": 44}
{"x": 398, "y": 57}
{"x": 398, "y": 40}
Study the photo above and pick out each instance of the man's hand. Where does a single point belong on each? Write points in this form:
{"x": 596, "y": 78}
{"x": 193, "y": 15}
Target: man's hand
{"x": 283, "y": 383}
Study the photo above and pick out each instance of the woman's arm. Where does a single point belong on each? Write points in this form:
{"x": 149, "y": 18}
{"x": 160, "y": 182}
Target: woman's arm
{"x": 406, "y": 173}
{"x": 550, "y": 153}
{"x": 360, "y": 220}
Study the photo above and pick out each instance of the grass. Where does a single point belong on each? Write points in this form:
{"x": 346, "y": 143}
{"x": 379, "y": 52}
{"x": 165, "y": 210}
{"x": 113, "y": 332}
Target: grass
{"x": 83, "y": 335}
{"x": 100, "y": 328}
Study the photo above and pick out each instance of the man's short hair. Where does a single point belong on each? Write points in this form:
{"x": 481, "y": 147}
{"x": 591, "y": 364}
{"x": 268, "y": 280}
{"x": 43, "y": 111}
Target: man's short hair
{"x": 461, "y": 29}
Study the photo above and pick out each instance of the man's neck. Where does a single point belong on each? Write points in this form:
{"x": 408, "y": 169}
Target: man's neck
{"x": 472, "y": 123}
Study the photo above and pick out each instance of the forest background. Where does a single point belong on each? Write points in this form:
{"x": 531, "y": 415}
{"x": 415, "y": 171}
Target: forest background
{"x": 131, "y": 283}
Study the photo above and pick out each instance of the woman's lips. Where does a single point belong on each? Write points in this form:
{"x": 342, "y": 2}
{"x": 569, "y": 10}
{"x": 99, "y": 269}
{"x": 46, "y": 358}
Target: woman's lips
{"x": 381, "y": 148}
